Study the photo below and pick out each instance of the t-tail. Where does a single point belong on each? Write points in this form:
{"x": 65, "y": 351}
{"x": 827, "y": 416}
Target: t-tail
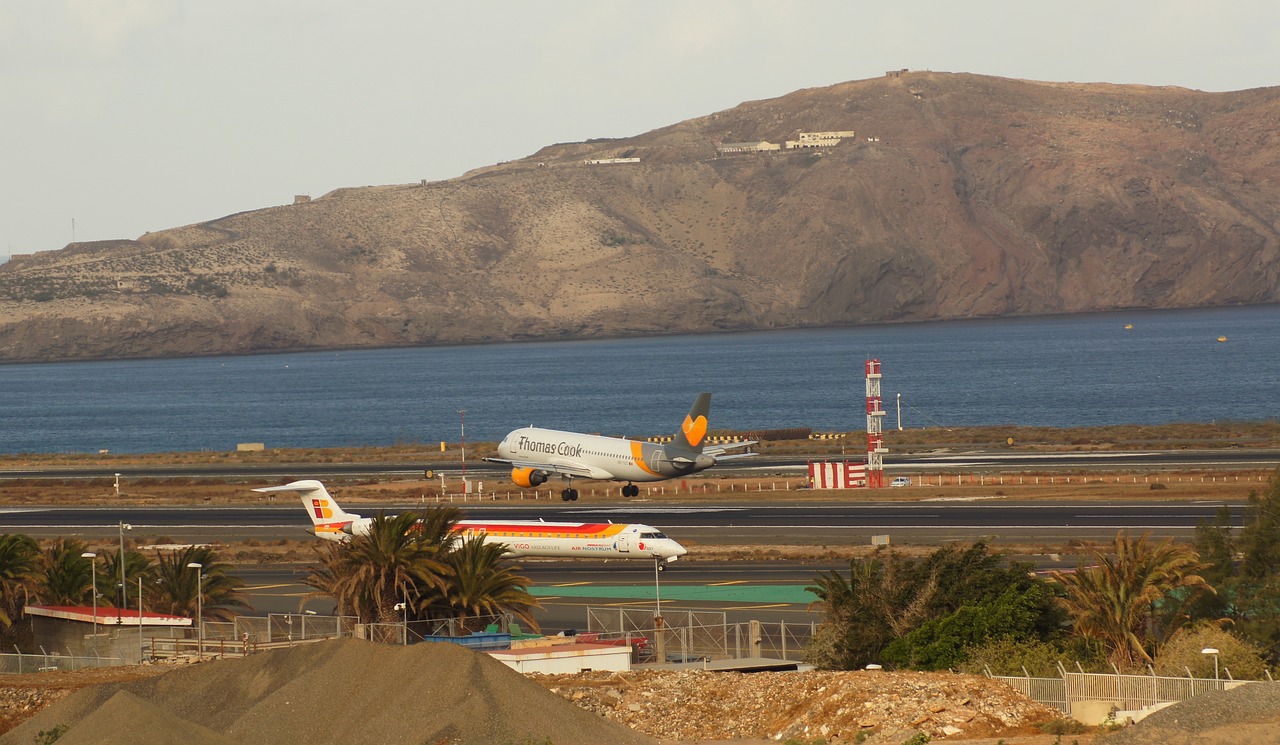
{"x": 693, "y": 433}
{"x": 328, "y": 520}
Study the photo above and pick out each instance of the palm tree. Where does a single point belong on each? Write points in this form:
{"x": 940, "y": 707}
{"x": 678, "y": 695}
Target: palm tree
{"x": 481, "y": 585}
{"x": 368, "y": 575}
{"x": 136, "y": 564}
{"x": 178, "y": 584}
{"x": 19, "y": 572}
{"x": 66, "y": 575}
{"x": 1114, "y": 599}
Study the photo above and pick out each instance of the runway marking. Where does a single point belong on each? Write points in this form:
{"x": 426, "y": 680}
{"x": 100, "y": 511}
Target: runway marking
{"x": 571, "y": 584}
{"x": 730, "y": 582}
{"x": 268, "y": 587}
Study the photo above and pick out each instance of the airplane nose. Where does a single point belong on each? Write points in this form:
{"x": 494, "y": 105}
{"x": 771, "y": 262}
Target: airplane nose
{"x": 679, "y": 550}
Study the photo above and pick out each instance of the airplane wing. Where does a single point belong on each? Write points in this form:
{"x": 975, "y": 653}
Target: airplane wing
{"x": 563, "y": 468}
{"x": 721, "y": 452}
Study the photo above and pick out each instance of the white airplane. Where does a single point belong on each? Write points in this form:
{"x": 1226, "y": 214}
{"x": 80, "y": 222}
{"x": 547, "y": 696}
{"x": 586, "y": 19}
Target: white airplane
{"x": 520, "y": 537}
{"x": 536, "y": 454}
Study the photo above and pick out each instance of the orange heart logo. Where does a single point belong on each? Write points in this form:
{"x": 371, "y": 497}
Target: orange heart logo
{"x": 695, "y": 430}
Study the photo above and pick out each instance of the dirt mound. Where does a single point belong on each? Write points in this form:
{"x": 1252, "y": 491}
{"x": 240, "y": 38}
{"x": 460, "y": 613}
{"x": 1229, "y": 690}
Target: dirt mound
{"x": 345, "y": 691}
{"x": 1248, "y": 715}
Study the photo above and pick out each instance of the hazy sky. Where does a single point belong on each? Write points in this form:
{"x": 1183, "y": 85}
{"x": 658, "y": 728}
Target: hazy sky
{"x": 127, "y": 116}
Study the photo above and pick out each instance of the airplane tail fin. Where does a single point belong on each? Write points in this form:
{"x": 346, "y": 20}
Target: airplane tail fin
{"x": 324, "y": 512}
{"x": 693, "y": 433}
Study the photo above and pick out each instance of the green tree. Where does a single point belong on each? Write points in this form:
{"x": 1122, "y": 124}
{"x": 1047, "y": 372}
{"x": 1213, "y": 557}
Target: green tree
{"x": 65, "y": 574}
{"x": 944, "y": 642}
{"x": 1114, "y": 599}
{"x": 19, "y": 575}
{"x": 1245, "y": 569}
{"x": 136, "y": 564}
{"x": 177, "y": 586}
{"x": 887, "y": 597}
{"x": 480, "y": 585}
{"x": 396, "y": 561}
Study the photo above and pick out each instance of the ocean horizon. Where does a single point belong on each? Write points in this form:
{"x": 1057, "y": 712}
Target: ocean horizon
{"x": 1133, "y": 367}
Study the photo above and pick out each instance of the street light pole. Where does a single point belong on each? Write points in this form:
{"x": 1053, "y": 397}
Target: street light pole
{"x": 199, "y": 606}
{"x": 93, "y": 572}
{"x": 1213, "y": 651}
{"x": 404, "y": 607}
{"x": 124, "y": 588}
{"x": 463, "y": 414}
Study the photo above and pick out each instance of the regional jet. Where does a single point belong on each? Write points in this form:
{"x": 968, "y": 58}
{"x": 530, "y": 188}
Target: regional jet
{"x": 519, "y": 537}
{"x": 536, "y": 454}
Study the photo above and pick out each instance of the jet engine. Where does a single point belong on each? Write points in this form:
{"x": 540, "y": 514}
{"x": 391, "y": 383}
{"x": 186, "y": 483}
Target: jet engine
{"x": 528, "y": 477}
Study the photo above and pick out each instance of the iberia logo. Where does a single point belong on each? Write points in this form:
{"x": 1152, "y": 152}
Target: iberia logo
{"x": 695, "y": 430}
{"x": 321, "y": 507}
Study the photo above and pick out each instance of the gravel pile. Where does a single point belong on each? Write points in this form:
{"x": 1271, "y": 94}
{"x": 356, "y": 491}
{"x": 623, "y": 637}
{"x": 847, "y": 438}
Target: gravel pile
{"x": 1247, "y": 715}
{"x": 346, "y": 691}
{"x": 700, "y": 705}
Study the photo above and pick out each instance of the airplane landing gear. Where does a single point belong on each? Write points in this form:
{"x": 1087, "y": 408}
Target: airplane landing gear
{"x": 630, "y": 490}
{"x": 569, "y": 495}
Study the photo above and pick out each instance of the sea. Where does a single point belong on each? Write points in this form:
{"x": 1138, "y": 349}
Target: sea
{"x": 1140, "y": 367}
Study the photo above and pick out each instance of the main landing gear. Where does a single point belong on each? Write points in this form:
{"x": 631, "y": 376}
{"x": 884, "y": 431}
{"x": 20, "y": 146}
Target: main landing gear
{"x": 569, "y": 495}
{"x": 630, "y": 490}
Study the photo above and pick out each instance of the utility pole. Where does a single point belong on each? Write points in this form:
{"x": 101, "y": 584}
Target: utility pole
{"x": 463, "y": 413}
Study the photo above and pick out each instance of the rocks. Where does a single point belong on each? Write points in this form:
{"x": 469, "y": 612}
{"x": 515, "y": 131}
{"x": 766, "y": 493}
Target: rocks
{"x": 700, "y": 705}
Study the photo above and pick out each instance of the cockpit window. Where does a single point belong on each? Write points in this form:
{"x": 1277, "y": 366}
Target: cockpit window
{"x": 652, "y": 535}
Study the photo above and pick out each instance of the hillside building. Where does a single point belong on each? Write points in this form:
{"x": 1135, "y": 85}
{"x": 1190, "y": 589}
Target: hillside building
{"x": 820, "y": 139}
{"x": 762, "y": 146}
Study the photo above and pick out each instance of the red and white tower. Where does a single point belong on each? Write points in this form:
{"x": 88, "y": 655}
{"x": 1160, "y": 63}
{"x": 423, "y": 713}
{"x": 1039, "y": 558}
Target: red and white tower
{"x": 875, "y": 432}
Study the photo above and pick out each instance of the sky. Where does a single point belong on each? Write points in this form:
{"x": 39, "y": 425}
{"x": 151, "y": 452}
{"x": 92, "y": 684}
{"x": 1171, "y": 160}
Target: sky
{"x": 119, "y": 117}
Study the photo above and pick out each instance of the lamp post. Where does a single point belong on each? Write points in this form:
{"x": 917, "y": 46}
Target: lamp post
{"x": 1213, "y": 651}
{"x": 124, "y": 588}
{"x": 199, "y": 606}
{"x": 404, "y": 607}
{"x": 139, "y": 619}
{"x": 463, "y": 414}
{"x": 93, "y": 572}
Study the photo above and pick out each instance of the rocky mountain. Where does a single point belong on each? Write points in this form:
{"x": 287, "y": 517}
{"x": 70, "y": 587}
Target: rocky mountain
{"x": 957, "y": 196}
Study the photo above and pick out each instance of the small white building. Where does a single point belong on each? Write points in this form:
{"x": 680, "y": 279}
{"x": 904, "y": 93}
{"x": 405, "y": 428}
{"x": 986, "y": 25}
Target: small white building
{"x": 565, "y": 658}
{"x": 103, "y": 631}
{"x": 763, "y": 146}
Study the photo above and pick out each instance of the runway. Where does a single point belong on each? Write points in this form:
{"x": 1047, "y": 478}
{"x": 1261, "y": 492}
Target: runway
{"x": 720, "y": 523}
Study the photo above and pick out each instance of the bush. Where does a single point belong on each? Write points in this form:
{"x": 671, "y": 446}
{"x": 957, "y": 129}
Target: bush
{"x": 1182, "y": 653}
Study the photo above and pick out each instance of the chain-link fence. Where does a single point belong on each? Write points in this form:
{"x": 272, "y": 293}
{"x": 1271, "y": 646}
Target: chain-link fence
{"x": 18, "y": 663}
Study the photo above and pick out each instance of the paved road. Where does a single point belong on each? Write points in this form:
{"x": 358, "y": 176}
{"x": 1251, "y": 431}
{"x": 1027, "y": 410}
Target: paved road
{"x": 847, "y": 523}
{"x": 1153, "y": 460}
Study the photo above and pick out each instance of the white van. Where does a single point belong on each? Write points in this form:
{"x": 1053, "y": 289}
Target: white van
{"x": 900, "y": 481}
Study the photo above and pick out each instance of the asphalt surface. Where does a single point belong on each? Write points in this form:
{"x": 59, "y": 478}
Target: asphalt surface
{"x": 951, "y": 462}
{"x": 722, "y": 523}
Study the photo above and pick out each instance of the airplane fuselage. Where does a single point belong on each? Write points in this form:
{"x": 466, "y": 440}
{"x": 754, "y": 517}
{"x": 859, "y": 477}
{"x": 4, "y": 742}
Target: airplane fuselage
{"x": 598, "y": 457}
{"x": 574, "y": 540}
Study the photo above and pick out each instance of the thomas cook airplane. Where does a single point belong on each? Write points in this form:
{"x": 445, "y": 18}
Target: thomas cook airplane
{"x": 536, "y": 454}
{"x": 520, "y": 537}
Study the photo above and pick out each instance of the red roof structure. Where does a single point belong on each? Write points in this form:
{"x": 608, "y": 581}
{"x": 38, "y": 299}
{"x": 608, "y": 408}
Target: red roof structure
{"x": 106, "y": 616}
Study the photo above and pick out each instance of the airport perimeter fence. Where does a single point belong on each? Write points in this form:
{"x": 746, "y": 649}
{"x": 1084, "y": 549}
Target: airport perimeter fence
{"x": 18, "y": 663}
{"x": 692, "y": 635}
{"x": 280, "y": 627}
{"x": 1127, "y": 692}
